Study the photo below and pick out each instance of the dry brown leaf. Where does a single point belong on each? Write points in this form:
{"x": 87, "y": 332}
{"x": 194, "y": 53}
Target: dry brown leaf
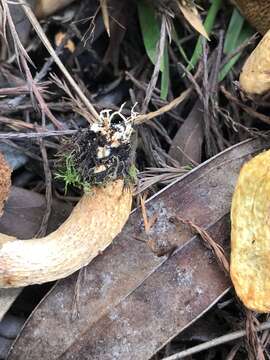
{"x": 192, "y": 16}
{"x": 105, "y": 15}
{"x": 120, "y": 12}
{"x": 186, "y": 146}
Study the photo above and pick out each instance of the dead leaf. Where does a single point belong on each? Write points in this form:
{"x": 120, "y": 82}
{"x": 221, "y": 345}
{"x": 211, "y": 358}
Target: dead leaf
{"x": 120, "y": 13}
{"x": 186, "y": 146}
{"x": 130, "y": 302}
{"x": 21, "y": 218}
{"x": 7, "y": 297}
{"x": 192, "y": 16}
{"x": 105, "y": 15}
{"x": 21, "y": 22}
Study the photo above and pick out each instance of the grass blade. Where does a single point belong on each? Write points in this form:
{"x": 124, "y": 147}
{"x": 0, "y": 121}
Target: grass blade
{"x": 208, "y": 25}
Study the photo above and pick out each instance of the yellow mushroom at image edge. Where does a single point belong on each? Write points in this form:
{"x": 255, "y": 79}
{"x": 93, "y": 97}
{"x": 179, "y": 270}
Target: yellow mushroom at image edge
{"x": 255, "y": 75}
{"x": 95, "y": 221}
{"x": 250, "y": 234}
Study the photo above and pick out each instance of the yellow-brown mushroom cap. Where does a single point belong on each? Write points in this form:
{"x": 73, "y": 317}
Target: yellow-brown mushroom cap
{"x": 250, "y": 234}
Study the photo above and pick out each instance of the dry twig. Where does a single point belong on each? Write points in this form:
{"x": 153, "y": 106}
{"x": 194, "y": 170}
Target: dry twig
{"x": 48, "y": 194}
{"x": 168, "y": 107}
{"x": 161, "y": 46}
{"x": 32, "y": 18}
{"x": 215, "y": 342}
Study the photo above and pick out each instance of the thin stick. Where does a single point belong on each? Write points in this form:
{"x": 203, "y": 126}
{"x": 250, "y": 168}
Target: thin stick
{"x": 36, "y": 135}
{"x": 247, "y": 109}
{"x": 215, "y": 342}
{"x": 32, "y": 18}
{"x": 48, "y": 194}
{"x": 173, "y": 104}
{"x": 214, "y": 246}
{"x": 160, "y": 51}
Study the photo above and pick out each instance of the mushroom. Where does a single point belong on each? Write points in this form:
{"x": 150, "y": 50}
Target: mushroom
{"x": 94, "y": 222}
{"x": 257, "y": 12}
{"x": 255, "y": 75}
{"x": 250, "y": 234}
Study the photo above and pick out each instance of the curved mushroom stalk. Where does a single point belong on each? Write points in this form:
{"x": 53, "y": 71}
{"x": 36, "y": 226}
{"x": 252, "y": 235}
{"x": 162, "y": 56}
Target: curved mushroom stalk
{"x": 93, "y": 224}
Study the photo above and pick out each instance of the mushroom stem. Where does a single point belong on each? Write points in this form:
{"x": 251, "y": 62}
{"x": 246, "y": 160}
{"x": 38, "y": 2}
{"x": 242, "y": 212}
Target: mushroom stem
{"x": 95, "y": 221}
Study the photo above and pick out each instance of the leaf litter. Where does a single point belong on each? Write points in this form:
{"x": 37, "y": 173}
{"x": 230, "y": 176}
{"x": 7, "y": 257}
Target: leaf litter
{"x": 148, "y": 286}
{"x": 142, "y": 314}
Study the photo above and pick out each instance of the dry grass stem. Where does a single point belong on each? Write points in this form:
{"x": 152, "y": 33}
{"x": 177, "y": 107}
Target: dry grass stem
{"x": 43, "y": 37}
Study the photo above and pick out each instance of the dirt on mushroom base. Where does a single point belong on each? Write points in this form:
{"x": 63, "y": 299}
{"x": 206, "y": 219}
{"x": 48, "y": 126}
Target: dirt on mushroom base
{"x": 100, "y": 158}
{"x": 102, "y": 153}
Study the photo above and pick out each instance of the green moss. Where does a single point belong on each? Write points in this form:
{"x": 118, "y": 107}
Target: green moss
{"x": 131, "y": 178}
{"x": 69, "y": 175}
{"x": 133, "y": 173}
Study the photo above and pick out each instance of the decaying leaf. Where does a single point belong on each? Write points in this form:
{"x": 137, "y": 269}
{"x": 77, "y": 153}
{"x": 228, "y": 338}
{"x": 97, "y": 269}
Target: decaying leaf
{"x": 7, "y": 297}
{"x": 250, "y": 257}
{"x": 105, "y": 15}
{"x": 120, "y": 12}
{"x": 192, "y": 16}
{"x": 129, "y": 302}
{"x": 186, "y": 146}
{"x": 22, "y": 24}
{"x": 24, "y": 210}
